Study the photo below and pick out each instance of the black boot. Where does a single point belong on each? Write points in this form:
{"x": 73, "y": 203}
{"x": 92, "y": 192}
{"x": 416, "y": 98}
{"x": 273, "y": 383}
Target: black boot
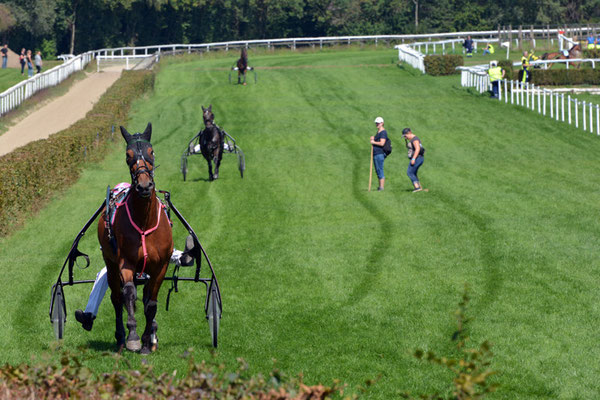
{"x": 86, "y": 319}
{"x": 187, "y": 259}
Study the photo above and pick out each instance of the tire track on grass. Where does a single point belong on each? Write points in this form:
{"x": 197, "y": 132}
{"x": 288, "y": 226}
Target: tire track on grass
{"x": 373, "y": 265}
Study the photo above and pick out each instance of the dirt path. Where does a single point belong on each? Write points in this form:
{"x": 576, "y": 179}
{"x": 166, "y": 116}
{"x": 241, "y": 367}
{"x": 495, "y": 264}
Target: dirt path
{"x": 60, "y": 113}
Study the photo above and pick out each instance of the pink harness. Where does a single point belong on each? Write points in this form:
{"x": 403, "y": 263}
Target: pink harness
{"x": 141, "y": 232}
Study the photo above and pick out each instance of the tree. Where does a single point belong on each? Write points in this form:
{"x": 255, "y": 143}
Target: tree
{"x": 7, "y": 21}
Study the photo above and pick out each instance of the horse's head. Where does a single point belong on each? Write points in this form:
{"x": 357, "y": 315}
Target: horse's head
{"x": 244, "y": 55}
{"x": 140, "y": 159}
{"x": 208, "y": 116}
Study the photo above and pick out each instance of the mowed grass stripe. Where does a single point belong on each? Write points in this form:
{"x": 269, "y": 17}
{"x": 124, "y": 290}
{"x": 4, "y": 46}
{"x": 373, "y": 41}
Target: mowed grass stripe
{"x": 332, "y": 280}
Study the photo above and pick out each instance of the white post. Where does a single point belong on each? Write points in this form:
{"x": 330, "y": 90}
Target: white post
{"x": 591, "y": 120}
{"x": 597, "y": 120}
{"x": 557, "y": 105}
{"x": 533, "y": 96}
{"x": 512, "y": 92}
{"x": 551, "y": 105}
{"x": 527, "y": 96}
{"x": 544, "y": 90}
{"x": 583, "y": 113}
{"x": 576, "y": 113}
{"x": 539, "y": 93}
{"x": 505, "y": 92}
{"x": 569, "y": 104}
{"x": 562, "y": 101}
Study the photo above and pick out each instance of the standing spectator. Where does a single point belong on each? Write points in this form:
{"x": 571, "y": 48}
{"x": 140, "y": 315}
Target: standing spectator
{"x": 22, "y": 60}
{"x": 416, "y": 151}
{"x": 468, "y": 45}
{"x": 4, "y": 55}
{"x": 496, "y": 75}
{"x": 378, "y": 154}
{"x": 29, "y": 64}
{"x": 38, "y": 62}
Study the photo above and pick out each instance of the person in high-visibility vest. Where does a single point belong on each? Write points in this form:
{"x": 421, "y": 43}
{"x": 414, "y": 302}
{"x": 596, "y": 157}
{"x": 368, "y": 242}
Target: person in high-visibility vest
{"x": 591, "y": 42}
{"x": 489, "y": 49}
{"x": 525, "y": 68}
{"x": 496, "y": 74}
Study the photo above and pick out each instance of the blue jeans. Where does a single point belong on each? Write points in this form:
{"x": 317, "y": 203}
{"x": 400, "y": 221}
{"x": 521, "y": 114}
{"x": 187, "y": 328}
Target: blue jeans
{"x": 378, "y": 161}
{"x": 4, "y": 61}
{"x": 29, "y": 70}
{"x": 412, "y": 169}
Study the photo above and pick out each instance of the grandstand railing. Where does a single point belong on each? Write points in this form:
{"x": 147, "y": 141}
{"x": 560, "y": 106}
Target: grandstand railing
{"x": 547, "y": 102}
{"x": 14, "y": 96}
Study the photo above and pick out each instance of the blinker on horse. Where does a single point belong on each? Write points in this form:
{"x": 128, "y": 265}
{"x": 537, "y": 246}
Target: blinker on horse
{"x": 137, "y": 240}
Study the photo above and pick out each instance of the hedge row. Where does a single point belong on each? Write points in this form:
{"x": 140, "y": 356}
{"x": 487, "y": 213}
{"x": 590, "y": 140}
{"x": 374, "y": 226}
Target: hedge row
{"x": 565, "y": 77}
{"x": 589, "y": 53}
{"x": 443, "y": 65}
{"x": 30, "y": 174}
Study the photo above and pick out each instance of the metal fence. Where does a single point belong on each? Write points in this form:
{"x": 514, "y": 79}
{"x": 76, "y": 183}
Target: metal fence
{"x": 547, "y": 102}
{"x": 13, "y": 97}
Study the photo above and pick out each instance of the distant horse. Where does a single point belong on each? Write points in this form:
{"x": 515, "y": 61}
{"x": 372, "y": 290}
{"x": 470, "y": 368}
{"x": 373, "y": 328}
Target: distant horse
{"x": 574, "y": 53}
{"x": 138, "y": 240}
{"x": 211, "y": 142}
{"x": 242, "y": 65}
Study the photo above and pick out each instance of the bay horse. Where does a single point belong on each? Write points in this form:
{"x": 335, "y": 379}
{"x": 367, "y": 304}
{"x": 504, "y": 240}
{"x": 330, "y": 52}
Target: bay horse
{"x": 138, "y": 240}
{"x": 242, "y": 65}
{"x": 574, "y": 53}
{"x": 211, "y": 142}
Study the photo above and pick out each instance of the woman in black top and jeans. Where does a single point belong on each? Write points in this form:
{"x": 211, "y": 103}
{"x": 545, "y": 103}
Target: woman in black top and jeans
{"x": 415, "y": 154}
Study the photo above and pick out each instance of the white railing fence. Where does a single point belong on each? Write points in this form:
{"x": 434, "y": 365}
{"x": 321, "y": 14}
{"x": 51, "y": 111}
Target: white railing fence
{"x": 552, "y": 103}
{"x": 13, "y": 97}
{"x": 130, "y": 61}
{"x": 411, "y": 56}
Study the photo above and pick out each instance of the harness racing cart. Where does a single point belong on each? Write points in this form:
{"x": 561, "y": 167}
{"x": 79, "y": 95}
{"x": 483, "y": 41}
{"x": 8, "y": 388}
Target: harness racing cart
{"x": 229, "y": 146}
{"x": 248, "y": 68}
{"x": 212, "y": 304}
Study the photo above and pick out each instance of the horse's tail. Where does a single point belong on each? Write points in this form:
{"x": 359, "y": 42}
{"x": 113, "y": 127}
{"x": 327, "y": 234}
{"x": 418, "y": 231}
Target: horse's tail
{"x": 545, "y": 56}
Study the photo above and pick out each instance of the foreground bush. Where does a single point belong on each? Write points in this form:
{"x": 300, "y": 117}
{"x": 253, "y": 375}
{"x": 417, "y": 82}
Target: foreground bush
{"x": 71, "y": 380}
{"x": 565, "y": 77}
{"x": 30, "y": 174}
{"x": 443, "y": 65}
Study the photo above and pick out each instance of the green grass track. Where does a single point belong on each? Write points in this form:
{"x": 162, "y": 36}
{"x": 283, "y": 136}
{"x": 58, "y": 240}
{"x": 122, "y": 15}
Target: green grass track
{"x": 324, "y": 277}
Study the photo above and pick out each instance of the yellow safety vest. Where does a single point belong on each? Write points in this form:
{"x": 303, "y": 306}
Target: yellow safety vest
{"x": 491, "y": 48}
{"x": 524, "y": 62}
{"x": 495, "y": 74}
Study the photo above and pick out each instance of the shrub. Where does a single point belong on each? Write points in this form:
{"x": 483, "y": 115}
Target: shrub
{"x": 443, "y": 65}
{"x": 566, "y": 77}
{"x": 591, "y": 53}
{"x": 72, "y": 380}
{"x": 507, "y": 66}
{"x": 30, "y": 174}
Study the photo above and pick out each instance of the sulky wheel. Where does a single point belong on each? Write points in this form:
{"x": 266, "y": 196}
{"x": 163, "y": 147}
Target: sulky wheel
{"x": 213, "y": 315}
{"x": 184, "y": 167}
{"x": 58, "y": 312}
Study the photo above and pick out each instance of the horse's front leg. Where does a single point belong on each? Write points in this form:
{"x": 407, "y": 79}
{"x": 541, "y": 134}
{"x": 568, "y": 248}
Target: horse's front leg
{"x": 218, "y": 162}
{"x": 210, "y": 171}
{"x": 130, "y": 296}
{"x": 149, "y": 338}
{"x": 116, "y": 298}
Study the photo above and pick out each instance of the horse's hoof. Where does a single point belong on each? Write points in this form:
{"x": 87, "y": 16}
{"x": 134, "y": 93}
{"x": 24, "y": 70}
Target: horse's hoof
{"x": 145, "y": 351}
{"x": 134, "y": 345}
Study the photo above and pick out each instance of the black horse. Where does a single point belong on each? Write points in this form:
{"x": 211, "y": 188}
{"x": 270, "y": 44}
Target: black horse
{"x": 242, "y": 65}
{"x": 211, "y": 142}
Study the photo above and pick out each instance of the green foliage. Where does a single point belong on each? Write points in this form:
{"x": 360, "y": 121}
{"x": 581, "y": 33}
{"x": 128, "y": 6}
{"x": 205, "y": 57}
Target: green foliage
{"x": 443, "y": 64}
{"x": 507, "y": 66}
{"x": 32, "y": 173}
{"x": 70, "y": 378}
{"x": 7, "y": 20}
{"x": 472, "y": 366}
{"x": 566, "y": 77}
{"x": 48, "y": 49}
{"x": 591, "y": 53}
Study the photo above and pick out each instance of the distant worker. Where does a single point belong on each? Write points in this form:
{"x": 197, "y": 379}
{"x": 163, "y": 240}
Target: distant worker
{"x": 592, "y": 42}
{"x": 496, "y": 75}
{"x": 377, "y": 142}
{"x": 489, "y": 49}
{"x": 526, "y": 67}
{"x": 468, "y": 45}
